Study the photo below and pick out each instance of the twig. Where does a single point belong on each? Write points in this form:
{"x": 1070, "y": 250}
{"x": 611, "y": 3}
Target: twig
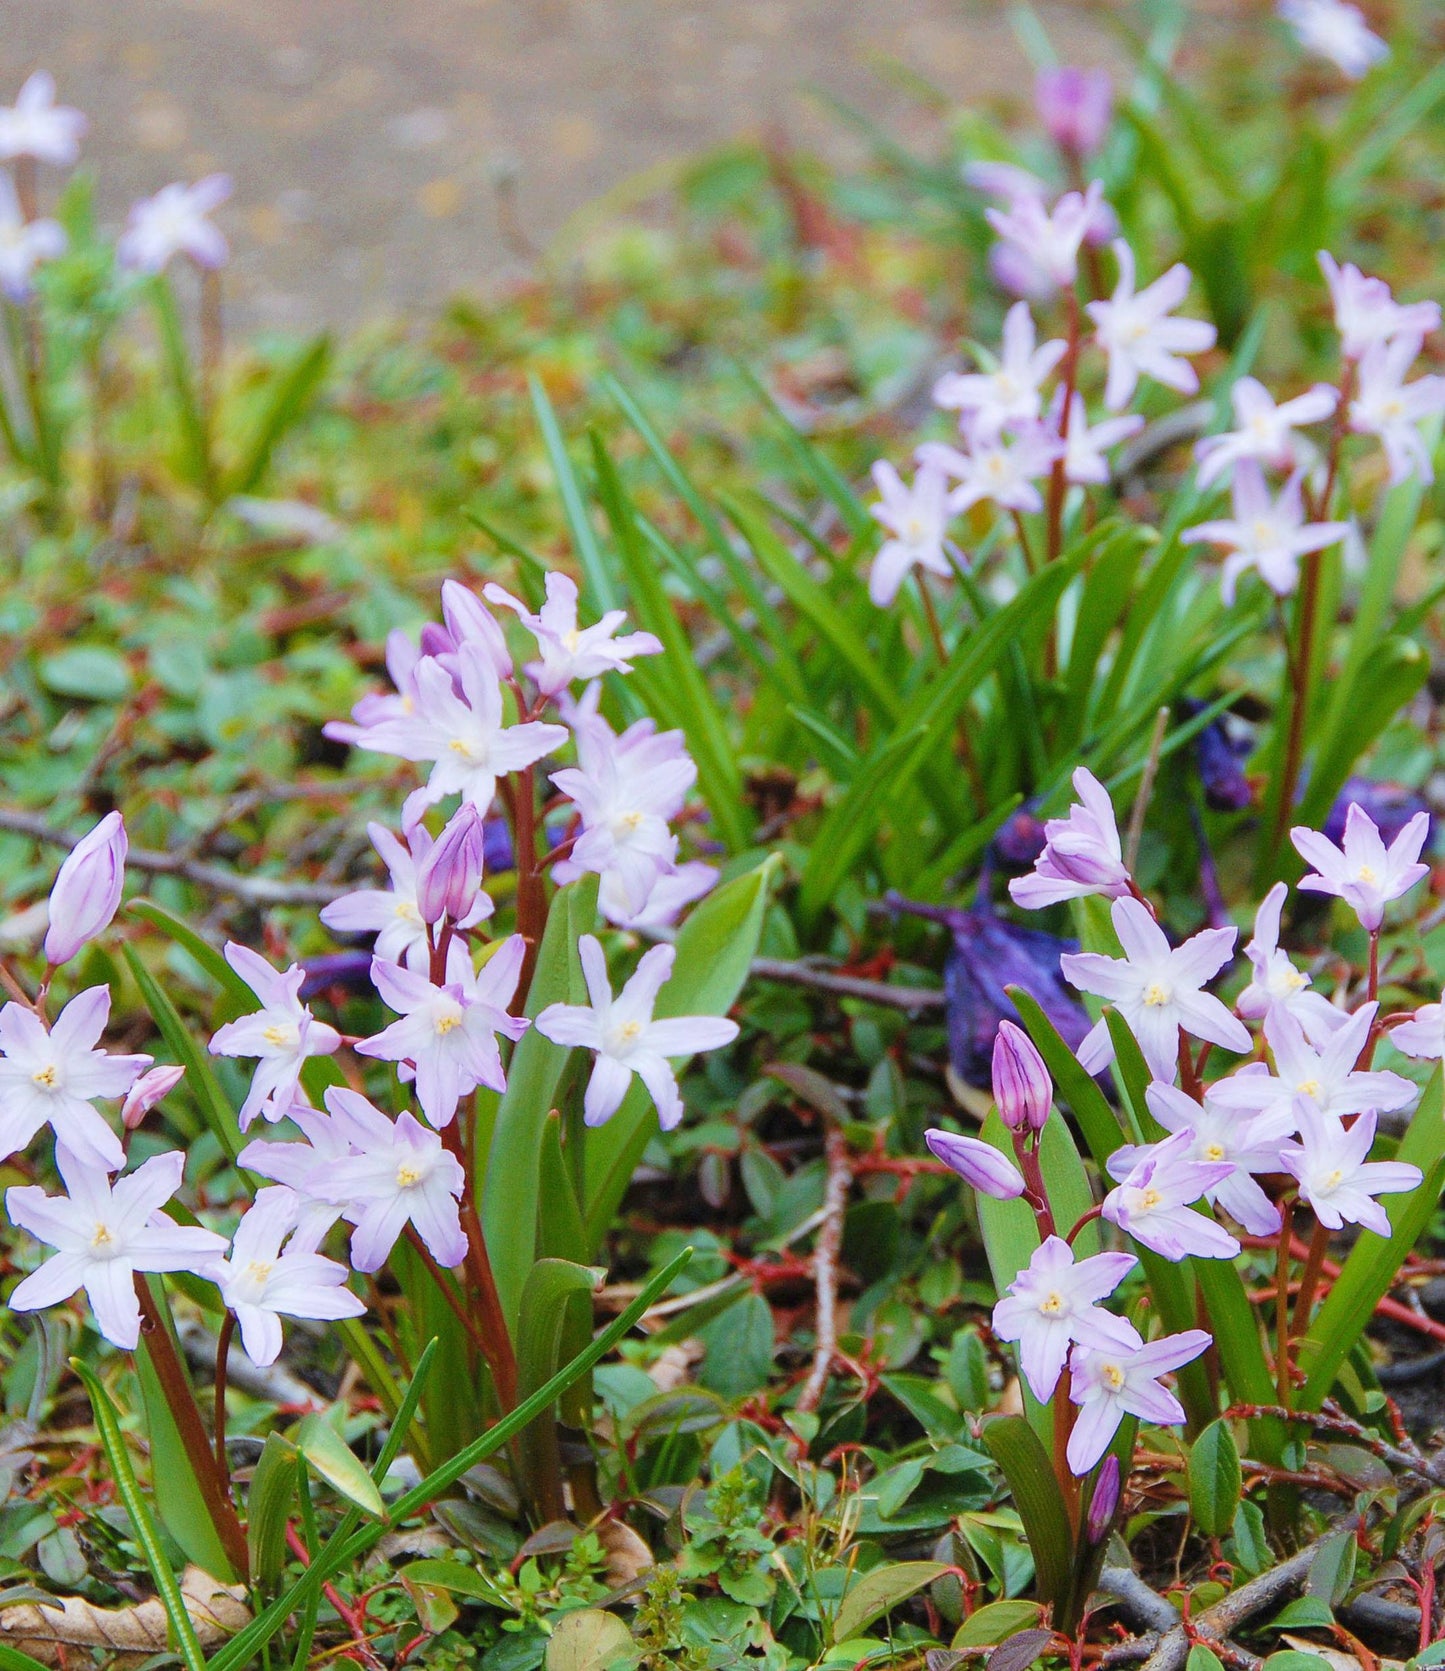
{"x": 846, "y": 986}
{"x": 825, "y": 1268}
{"x": 1215, "y": 1623}
{"x": 1138, "y": 1600}
{"x": 256, "y": 890}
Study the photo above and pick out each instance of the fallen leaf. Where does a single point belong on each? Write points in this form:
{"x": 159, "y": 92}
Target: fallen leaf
{"x": 628, "y": 1556}
{"x": 131, "y": 1634}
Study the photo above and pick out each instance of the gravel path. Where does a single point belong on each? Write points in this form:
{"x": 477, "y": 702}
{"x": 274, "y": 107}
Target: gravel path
{"x": 365, "y": 136}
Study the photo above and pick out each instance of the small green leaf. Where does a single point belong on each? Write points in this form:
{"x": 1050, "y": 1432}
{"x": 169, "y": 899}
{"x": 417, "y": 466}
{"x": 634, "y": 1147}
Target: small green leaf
{"x": 1203, "y": 1659}
{"x": 88, "y": 672}
{"x": 587, "y": 1640}
{"x": 328, "y": 1454}
{"x": 877, "y": 1591}
{"x": 268, "y": 1504}
{"x": 443, "y": 1574}
{"x": 1251, "y": 1547}
{"x": 1303, "y": 1613}
{"x": 994, "y": 1622}
{"x": 1214, "y": 1479}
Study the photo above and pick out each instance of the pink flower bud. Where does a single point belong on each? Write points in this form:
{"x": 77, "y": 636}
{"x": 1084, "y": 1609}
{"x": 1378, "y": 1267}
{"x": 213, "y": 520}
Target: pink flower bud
{"x": 977, "y": 1163}
{"x": 87, "y": 890}
{"x": 1075, "y": 106}
{"x": 1021, "y": 1084}
{"x": 1104, "y": 1504}
{"x": 449, "y": 877}
{"x": 147, "y": 1092}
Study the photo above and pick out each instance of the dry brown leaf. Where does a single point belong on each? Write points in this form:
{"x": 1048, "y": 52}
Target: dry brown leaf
{"x": 132, "y": 1634}
{"x": 1333, "y": 1657}
{"x": 628, "y": 1556}
{"x": 674, "y": 1365}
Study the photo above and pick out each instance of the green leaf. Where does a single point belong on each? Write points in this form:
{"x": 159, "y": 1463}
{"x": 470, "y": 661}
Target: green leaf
{"x": 599, "y": 586}
{"x": 1203, "y": 1659}
{"x": 878, "y": 1591}
{"x": 443, "y": 1574}
{"x": 587, "y": 1639}
{"x": 1251, "y": 1546}
{"x": 195, "y": 437}
{"x": 1303, "y": 1613}
{"x": 268, "y": 1506}
{"x": 88, "y": 672}
{"x": 107, "y": 1424}
{"x": 1020, "y": 1454}
{"x": 996, "y": 1621}
{"x": 1086, "y": 1102}
{"x": 329, "y": 1455}
{"x": 180, "y": 1502}
{"x": 289, "y": 397}
{"x": 11, "y": 1659}
{"x": 549, "y": 1323}
{"x": 349, "y": 1544}
{"x": 715, "y": 949}
{"x": 1214, "y": 1479}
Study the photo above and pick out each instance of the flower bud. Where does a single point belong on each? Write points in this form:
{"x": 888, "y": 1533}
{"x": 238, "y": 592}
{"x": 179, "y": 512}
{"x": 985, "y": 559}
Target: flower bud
{"x": 1075, "y": 106}
{"x": 449, "y": 877}
{"x": 87, "y": 890}
{"x": 977, "y": 1163}
{"x": 147, "y": 1092}
{"x": 1021, "y": 1084}
{"x": 1104, "y": 1504}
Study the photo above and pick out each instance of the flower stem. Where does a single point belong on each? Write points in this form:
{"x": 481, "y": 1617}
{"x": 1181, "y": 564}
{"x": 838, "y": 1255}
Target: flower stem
{"x": 223, "y": 1365}
{"x": 495, "y": 1337}
{"x": 1314, "y": 1264}
{"x": 531, "y": 898}
{"x": 1281, "y": 1306}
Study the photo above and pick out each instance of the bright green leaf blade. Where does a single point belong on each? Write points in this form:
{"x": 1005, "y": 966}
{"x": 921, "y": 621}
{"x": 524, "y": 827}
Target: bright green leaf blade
{"x": 1214, "y": 1479}
{"x": 329, "y": 1455}
{"x": 878, "y": 1591}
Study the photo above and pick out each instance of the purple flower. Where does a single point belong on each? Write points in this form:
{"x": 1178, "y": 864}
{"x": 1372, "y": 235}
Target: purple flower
{"x": 261, "y": 1282}
{"x": 24, "y": 244}
{"x": 1367, "y": 314}
{"x": 1086, "y": 449}
{"x": 1136, "y": 330}
{"x": 1218, "y": 757}
{"x": 1104, "y": 1504}
{"x": 625, "y": 1039}
{"x": 87, "y": 890}
{"x": 1277, "y": 984}
{"x": 1010, "y": 394}
{"x": 1114, "y": 1381}
{"x": 995, "y": 468}
{"x": 1053, "y": 1303}
{"x": 1153, "y": 1201}
{"x": 1336, "y": 1179}
{"x": 666, "y": 898}
{"x": 1362, "y": 871}
{"x": 448, "y": 1033}
{"x": 282, "y": 1034}
{"x": 176, "y": 222}
{"x": 35, "y": 126}
{"x": 147, "y": 1091}
{"x": 449, "y": 878}
{"x": 1422, "y": 1037}
{"x": 570, "y": 652}
{"x": 916, "y": 518}
{"x": 1075, "y": 107}
{"x": 1158, "y": 989}
{"x": 1324, "y": 1074}
{"x": 51, "y": 1079}
{"x": 977, "y": 1163}
{"x": 1268, "y": 535}
{"x": 1265, "y": 430}
{"x": 1021, "y": 1084}
{"x": 1049, "y": 239}
{"x": 1082, "y": 853}
{"x": 103, "y": 1235}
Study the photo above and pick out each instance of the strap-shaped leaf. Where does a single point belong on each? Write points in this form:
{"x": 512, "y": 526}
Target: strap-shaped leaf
{"x": 1017, "y": 1449}
{"x": 268, "y": 1505}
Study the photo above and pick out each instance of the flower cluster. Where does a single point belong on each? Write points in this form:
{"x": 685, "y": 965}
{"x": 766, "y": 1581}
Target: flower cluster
{"x": 1304, "y": 1106}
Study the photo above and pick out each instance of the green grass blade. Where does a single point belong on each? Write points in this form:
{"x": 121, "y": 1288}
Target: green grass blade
{"x": 290, "y": 397}
{"x": 602, "y": 591}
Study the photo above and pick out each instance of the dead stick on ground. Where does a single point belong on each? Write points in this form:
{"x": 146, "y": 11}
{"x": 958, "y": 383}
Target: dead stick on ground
{"x": 825, "y": 1268}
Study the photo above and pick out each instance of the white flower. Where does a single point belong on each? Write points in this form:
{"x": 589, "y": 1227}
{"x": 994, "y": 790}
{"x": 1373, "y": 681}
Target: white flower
{"x": 1336, "y": 1180}
{"x": 104, "y": 1235}
{"x": 1322, "y": 1076}
{"x": 1366, "y": 313}
{"x": 23, "y": 244}
{"x": 1422, "y": 1037}
{"x": 1111, "y": 1382}
{"x": 35, "y": 126}
{"x": 1265, "y": 430}
{"x": 917, "y": 519}
{"x": 624, "y": 1037}
{"x": 1141, "y": 339}
{"x": 1363, "y": 872}
{"x": 1392, "y": 410}
{"x": 1085, "y": 450}
{"x": 1157, "y": 988}
{"x": 282, "y": 1034}
{"x": 1266, "y": 535}
{"x": 261, "y": 1283}
{"x": 570, "y": 652}
{"x": 1277, "y": 984}
{"x": 994, "y": 467}
{"x": 1337, "y": 31}
{"x": 174, "y": 222}
{"x": 1011, "y": 393}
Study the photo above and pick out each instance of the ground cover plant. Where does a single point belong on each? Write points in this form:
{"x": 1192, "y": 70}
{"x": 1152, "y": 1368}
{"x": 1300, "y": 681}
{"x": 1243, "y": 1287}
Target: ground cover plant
{"x": 738, "y": 963}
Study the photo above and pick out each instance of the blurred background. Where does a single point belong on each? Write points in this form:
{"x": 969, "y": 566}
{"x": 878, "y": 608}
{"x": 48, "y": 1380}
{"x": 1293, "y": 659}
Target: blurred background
{"x": 388, "y": 153}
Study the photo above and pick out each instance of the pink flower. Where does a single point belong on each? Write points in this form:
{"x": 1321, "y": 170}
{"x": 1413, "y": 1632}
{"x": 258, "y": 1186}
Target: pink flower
{"x": 666, "y": 898}
{"x": 1335, "y": 30}
{"x": 261, "y": 1282}
{"x": 1021, "y": 1084}
{"x": 1049, "y": 239}
{"x": 147, "y": 1091}
{"x": 1422, "y": 1037}
{"x": 1085, "y": 449}
{"x": 1265, "y": 430}
{"x": 51, "y": 1079}
{"x": 1111, "y": 1382}
{"x": 448, "y": 1034}
{"x": 1082, "y": 853}
{"x": 1266, "y": 535}
{"x": 1135, "y": 330}
{"x": 1153, "y": 1200}
{"x": 1053, "y": 1303}
{"x": 1392, "y": 410}
{"x": 1336, "y": 1180}
{"x": 1010, "y": 394}
{"x": 917, "y": 519}
{"x": 87, "y": 890}
{"x": 1367, "y": 314}
{"x": 176, "y": 222}
{"x": 978, "y": 1163}
{"x": 570, "y": 652}
{"x": 1002, "y": 469}
{"x": 449, "y": 878}
{"x": 1157, "y": 988}
{"x": 103, "y": 1235}
{"x": 1363, "y": 872}
{"x": 1075, "y": 107}
{"x": 1324, "y": 1075}
{"x": 624, "y": 1037}
{"x": 282, "y": 1035}
{"x": 24, "y": 244}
